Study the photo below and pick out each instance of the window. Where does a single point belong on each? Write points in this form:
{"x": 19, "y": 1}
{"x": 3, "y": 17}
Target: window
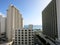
{"x": 25, "y": 37}
{"x": 19, "y": 39}
{"x": 29, "y": 40}
{"x": 25, "y": 32}
{"x": 19, "y": 35}
{"x": 25, "y": 42}
{"x": 22, "y": 32}
{"x": 22, "y": 42}
{"x": 22, "y": 37}
{"x": 18, "y": 30}
{"x": 29, "y": 43}
{"x": 29, "y": 30}
{"x": 19, "y": 42}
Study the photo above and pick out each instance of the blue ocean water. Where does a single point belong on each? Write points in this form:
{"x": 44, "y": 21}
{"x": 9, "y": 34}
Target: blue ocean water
{"x": 34, "y": 26}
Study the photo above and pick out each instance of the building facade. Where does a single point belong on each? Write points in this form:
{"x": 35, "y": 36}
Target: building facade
{"x": 51, "y": 19}
{"x": 24, "y": 37}
{"x": 2, "y": 24}
{"x": 14, "y": 19}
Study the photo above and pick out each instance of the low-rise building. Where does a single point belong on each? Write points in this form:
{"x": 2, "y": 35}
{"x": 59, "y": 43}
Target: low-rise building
{"x": 24, "y": 37}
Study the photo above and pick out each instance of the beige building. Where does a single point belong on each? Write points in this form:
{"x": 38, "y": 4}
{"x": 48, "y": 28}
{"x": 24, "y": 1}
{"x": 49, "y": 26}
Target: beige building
{"x": 14, "y": 21}
{"x": 51, "y": 19}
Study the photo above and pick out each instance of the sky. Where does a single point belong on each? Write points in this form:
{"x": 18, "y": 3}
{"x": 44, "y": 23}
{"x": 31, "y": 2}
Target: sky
{"x": 31, "y": 10}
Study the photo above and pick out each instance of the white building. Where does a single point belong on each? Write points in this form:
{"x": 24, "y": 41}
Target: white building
{"x": 2, "y": 24}
{"x": 24, "y": 37}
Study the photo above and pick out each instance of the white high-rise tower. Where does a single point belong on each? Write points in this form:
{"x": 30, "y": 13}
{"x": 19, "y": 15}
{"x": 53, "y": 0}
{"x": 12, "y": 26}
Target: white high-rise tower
{"x": 13, "y": 21}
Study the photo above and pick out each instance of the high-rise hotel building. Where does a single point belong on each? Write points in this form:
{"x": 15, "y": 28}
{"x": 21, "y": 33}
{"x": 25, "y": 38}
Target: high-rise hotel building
{"x": 14, "y": 21}
{"x": 51, "y": 19}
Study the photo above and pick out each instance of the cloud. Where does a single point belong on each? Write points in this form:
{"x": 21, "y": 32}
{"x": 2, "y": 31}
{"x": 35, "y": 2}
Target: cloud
{"x": 2, "y": 14}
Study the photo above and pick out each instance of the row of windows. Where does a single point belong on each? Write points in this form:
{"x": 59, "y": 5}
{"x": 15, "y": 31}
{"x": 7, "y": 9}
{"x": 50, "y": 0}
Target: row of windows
{"x": 24, "y": 35}
{"x": 23, "y": 42}
{"x": 23, "y": 30}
